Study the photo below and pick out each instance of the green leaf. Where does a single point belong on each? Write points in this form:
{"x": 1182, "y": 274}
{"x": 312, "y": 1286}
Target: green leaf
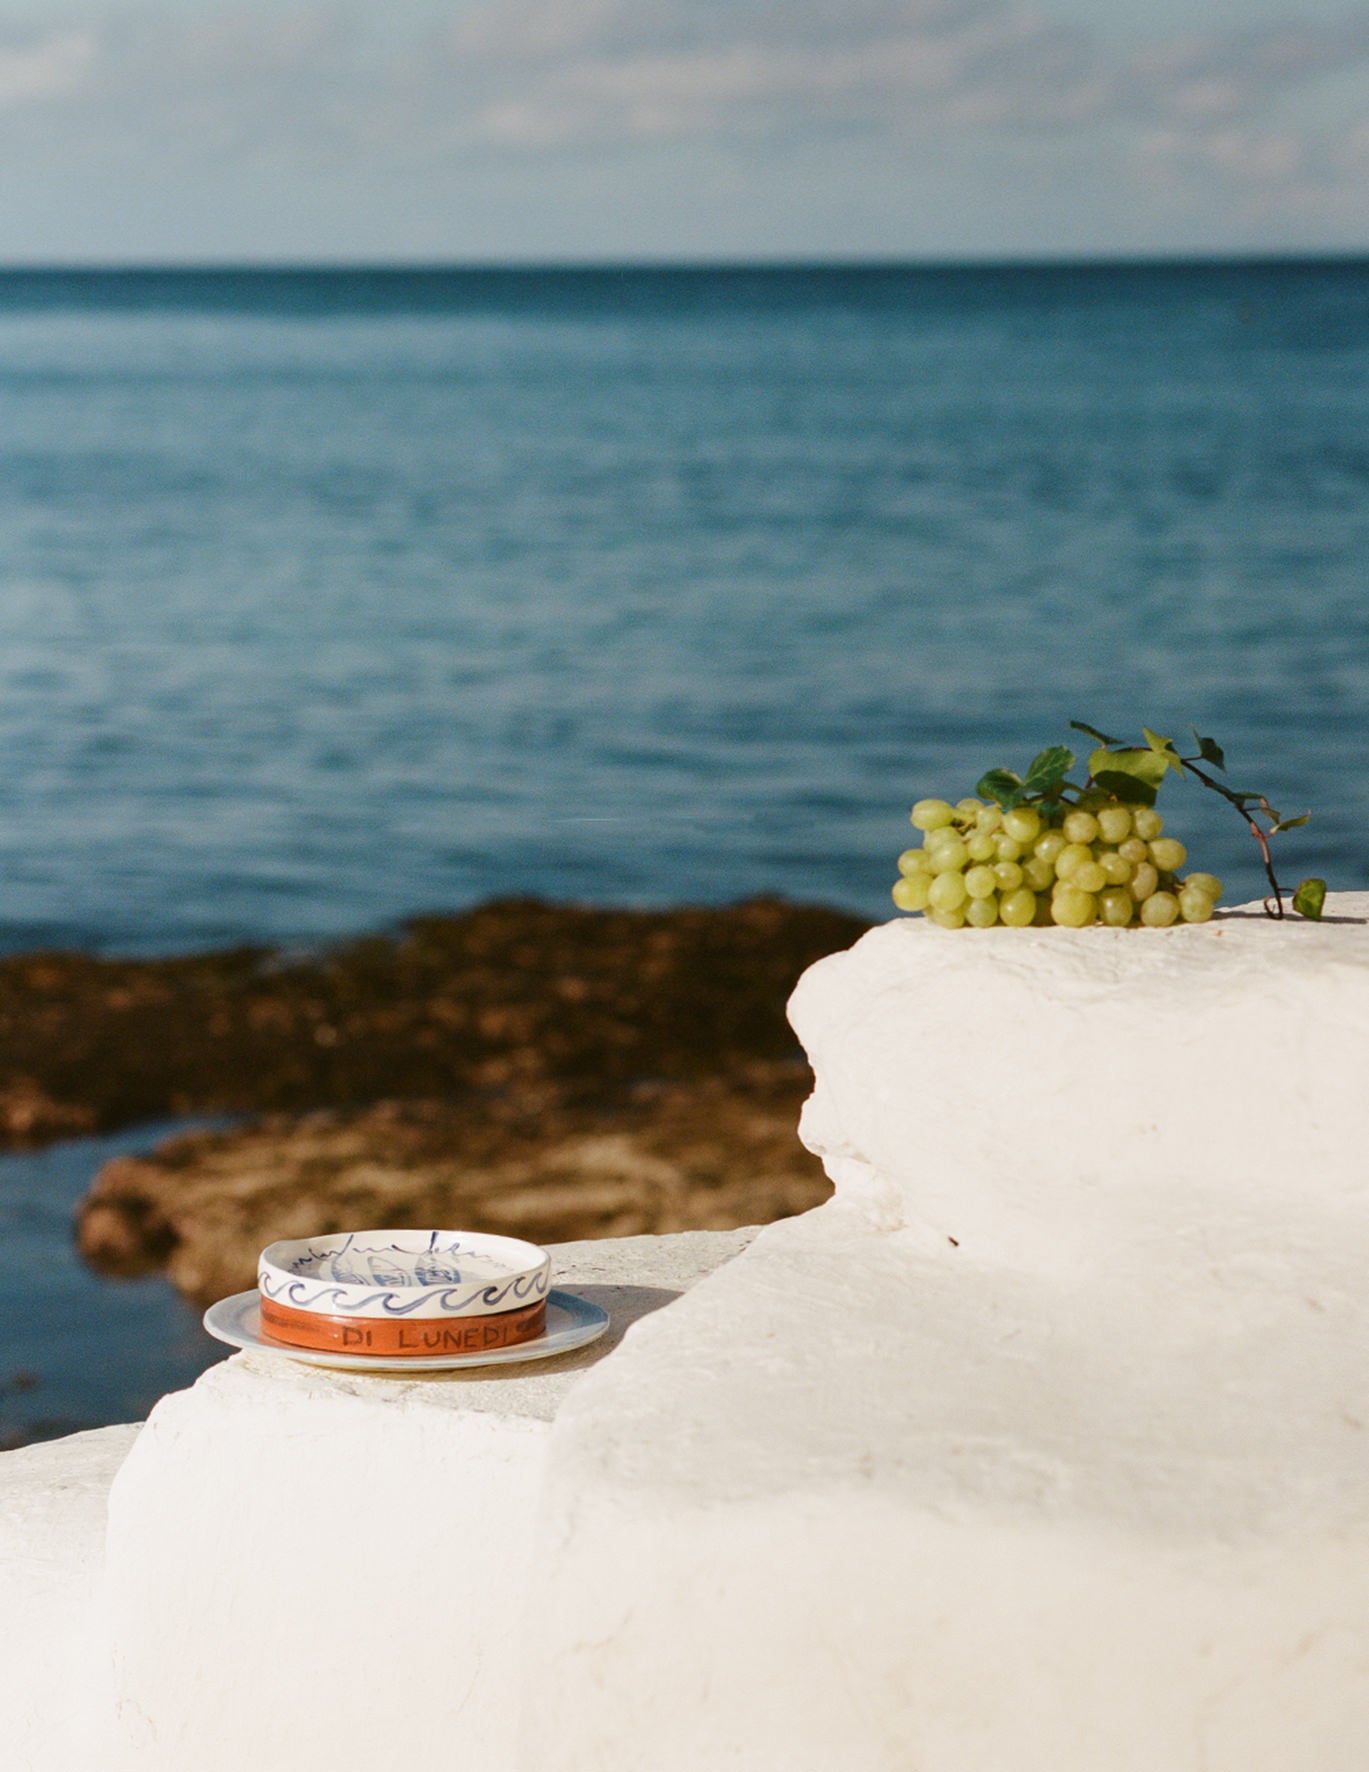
{"x": 1048, "y": 770}
{"x": 1146, "y": 766}
{"x": 1001, "y": 786}
{"x": 1129, "y": 789}
{"x": 1309, "y": 899}
{"x": 1209, "y": 750}
{"x": 1093, "y": 732}
{"x": 1164, "y": 747}
{"x": 1290, "y": 824}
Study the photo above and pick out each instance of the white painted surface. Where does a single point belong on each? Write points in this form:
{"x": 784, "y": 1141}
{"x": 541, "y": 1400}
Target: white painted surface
{"x": 1089, "y": 1490}
{"x": 340, "y": 1564}
{"x": 54, "y": 1657}
{"x": 1046, "y": 1096}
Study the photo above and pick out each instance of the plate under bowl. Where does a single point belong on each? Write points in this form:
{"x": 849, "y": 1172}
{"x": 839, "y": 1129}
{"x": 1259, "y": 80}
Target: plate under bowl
{"x": 571, "y": 1323}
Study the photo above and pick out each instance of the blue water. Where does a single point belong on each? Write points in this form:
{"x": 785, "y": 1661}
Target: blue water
{"x": 78, "y": 1351}
{"x": 330, "y": 597}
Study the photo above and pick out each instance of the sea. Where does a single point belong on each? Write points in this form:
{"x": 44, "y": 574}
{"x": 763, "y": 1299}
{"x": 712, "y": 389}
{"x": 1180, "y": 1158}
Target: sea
{"x": 334, "y": 595}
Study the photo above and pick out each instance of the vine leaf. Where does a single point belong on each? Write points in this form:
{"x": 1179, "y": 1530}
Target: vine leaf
{"x": 1001, "y": 786}
{"x": 1309, "y": 898}
{"x": 1093, "y": 732}
{"x": 1148, "y": 766}
{"x": 1164, "y": 747}
{"x": 1048, "y": 770}
{"x": 1209, "y": 750}
{"x": 1129, "y": 789}
{"x": 1288, "y": 824}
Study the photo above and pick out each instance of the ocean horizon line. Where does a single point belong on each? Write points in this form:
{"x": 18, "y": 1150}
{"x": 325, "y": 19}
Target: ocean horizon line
{"x": 1254, "y": 258}
{"x": 663, "y": 288}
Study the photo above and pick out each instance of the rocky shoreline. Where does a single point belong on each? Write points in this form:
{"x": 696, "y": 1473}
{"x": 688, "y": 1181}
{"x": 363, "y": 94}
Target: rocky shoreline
{"x": 558, "y": 1071}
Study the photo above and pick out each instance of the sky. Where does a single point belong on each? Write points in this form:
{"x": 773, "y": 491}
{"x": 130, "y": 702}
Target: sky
{"x": 146, "y": 131}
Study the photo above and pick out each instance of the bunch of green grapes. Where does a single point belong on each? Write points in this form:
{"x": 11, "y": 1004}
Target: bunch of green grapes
{"x": 1095, "y": 862}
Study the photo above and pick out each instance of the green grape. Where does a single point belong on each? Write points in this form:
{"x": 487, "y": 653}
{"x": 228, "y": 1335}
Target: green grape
{"x": 931, "y": 815}
{"x": 1072, "y": 856}
{"x": 1168, "y": 853}
{"x": 1038, "y": 874}
{"x": 1116, "y": 907}
{"x": 1073, "y": 908}
{"x": 1080, "y": 827}
{"x": 1144, "y": 882}
{"x": 1047, "y": 847}
{"x": 949, "y": 857}
{"x": 1018, "y": 908}
{"x": 1034, "y": 865}
{"x": 1159, "y": 910}
{"x": 1117, "y": 870}
{"x": 1022, "y": 823}
{"x": 947, "y": 892}
{"x": 912, "y": 892}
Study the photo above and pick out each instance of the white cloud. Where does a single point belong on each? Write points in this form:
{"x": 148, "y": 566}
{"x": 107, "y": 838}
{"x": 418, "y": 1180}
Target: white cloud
{"x": 327, "y": 82}
{"x": 548, "y": 71}
{"x": 52, "y": 67}
{"x": 1219, "y": 77}
{"x": 612, "y": 69}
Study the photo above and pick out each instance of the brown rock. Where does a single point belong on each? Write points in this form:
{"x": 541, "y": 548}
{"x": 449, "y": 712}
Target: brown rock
{"x": 511, "y": 993}
{"x": 704, "y": 1154}
{"x": 553, "y": 1071}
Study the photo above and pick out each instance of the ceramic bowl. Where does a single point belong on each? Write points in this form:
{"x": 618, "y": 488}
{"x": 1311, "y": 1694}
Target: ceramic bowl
{"x": 392, "y": 1276}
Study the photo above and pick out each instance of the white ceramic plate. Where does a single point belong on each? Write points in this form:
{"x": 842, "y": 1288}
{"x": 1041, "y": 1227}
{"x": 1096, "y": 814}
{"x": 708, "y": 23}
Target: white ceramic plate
{"x": 571, "y": 1323}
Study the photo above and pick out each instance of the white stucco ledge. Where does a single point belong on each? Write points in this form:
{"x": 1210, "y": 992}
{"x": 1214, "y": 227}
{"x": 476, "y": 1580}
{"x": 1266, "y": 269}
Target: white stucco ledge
{"x": 338, "y": 1562}
{"x": 330, "y": 1562}
{"x": 54, "y": 1690}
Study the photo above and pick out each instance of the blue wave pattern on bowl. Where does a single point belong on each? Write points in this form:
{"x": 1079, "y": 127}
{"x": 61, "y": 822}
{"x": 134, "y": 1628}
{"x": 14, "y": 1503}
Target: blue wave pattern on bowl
{"x": 446, "y": 1272}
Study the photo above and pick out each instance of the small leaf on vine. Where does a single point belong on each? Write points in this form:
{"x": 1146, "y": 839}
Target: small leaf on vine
{"x": 1147, "y": 766}
{"x": 1209, "y": 750}
{"x": 1001, "y": 786}
{"x": 1048, "y": 770}
{"x": 1093, "y": 732}
{"x": 1164, "y": 747}
{"x": 1127, "y": 788}
{"x": 1291, "y": 824}
{"x": 1309, "y": 899}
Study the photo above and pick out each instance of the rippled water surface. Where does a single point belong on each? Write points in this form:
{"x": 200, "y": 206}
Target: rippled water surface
{"x": 78, "y": 1351}
{"x": 326, "y": 598}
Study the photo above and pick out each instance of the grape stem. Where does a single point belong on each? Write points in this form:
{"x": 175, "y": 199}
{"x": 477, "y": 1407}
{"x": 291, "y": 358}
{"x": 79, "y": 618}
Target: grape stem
{"x": 1261, "y": 837}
